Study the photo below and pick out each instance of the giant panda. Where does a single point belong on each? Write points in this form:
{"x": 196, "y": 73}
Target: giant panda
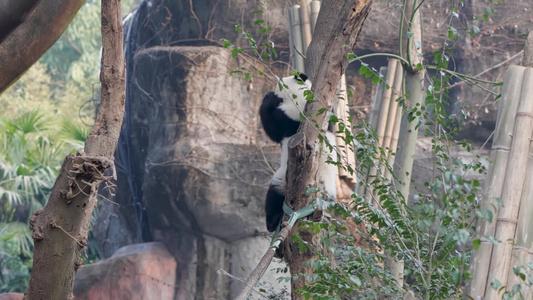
{"x": 280, "y": 116}
{"x": 280, "y": 110}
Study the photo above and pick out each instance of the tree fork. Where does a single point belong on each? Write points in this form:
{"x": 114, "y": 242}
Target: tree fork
{"x": 60, "y": 229}
{"x": 331, "y": 48}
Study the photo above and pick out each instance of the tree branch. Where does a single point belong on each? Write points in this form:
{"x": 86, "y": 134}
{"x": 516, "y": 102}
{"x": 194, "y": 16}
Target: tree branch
{"x": 103, "y": 138}
{"x": 60, "y": 229}
{"x": 42, "y": 24}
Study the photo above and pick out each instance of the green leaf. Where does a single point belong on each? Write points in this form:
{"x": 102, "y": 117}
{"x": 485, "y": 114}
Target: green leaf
{"x": 438, "y": 58}
{"x": 456, "y": 276}
{"x": 499, "y": 201}
{"x": 495, "y": 284}
{"x": 234, "y": 52}
{"x": 516, "y": 289}
{"x": 355, "y": 279}
{"x": 363, "y": 69}
{"x": 226, "y": 43}
{"x": 476, "y": 243}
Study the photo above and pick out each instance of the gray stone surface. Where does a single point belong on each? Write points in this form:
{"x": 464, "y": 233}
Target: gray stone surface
{"x": 207, "y": 164}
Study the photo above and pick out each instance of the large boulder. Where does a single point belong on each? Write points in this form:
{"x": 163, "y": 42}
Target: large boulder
{"x": 141, "y": 271}
{"x": 207, "y": 163}
{"x": 11, "y": 296}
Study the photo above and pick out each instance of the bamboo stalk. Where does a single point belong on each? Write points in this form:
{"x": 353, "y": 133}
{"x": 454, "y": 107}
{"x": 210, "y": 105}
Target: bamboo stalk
{"x": 378, "y": 97}
{"x": 374, "y": 120}
{"x": 512, "y": 189}
{"x": 393, "y": 109}
{"x": 314, "y": 8}
{"x": 306, "y": 27}
{"x": 524, "y": 230}
{"x": 347, "y": 151}
{"x": 397, "y": 123}
{"x": 292, "y": 53}
{"x": 494, "y": 186}
{"x": 414, "y": 87}
{"x": 522, "y": 254}
{"x": 393, "y": 120}
{"x": 391, "y": 142}
{"x": 386, "y": 104}
{"x": 408, "y": 132}
{"x": 382, "y": 120}
{"x": 296, "y": 29}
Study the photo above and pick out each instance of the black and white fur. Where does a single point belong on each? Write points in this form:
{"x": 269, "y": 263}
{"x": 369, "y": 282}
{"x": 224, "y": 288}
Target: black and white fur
{"x": 280, "y": 116}
{"x": 280, "y": 110}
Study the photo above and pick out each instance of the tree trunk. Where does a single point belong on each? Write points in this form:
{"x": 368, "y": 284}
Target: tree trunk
{"x": 328, "y": 61}
{"x": 29, "y": 31}
{"x": 60, "y": 229}
{"x": 12, "y": 14}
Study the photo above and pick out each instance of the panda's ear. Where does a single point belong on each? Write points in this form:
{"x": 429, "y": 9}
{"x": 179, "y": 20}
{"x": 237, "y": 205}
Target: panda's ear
{"x": 301, "y": 77}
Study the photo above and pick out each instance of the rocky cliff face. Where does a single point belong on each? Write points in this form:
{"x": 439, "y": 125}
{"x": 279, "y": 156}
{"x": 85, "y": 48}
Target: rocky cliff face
{"x": 205, "y": 167}
{"x": 206, "y": 164}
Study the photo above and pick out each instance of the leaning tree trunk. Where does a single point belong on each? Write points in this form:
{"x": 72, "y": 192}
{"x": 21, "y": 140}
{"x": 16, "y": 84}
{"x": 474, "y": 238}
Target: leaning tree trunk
{"x": 60, "y": 229}
{"x": 336, "y": 32}
{"x": 27, "y": 30}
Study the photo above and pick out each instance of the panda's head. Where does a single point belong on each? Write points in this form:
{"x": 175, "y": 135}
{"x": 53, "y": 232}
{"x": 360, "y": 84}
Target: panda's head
{"x": 291, "y": 90}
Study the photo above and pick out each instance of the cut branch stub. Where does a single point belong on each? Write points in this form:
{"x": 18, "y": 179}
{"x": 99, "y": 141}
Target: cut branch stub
{"x": 60, "y": 229}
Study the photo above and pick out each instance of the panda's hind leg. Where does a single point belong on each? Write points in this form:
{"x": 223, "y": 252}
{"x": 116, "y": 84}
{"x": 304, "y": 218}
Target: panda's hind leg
{"x": 273, "y": 207}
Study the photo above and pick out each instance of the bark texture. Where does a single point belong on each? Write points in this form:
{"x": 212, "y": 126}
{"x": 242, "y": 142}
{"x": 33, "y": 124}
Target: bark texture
{"x": 527, "y": 61}
{"x": 60, "y": 229}
{"x": 30, "y": 32}
{"x": 12, "y": 14}
{"x": 331, "y": 51}
{"x": 102, "y": 139}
